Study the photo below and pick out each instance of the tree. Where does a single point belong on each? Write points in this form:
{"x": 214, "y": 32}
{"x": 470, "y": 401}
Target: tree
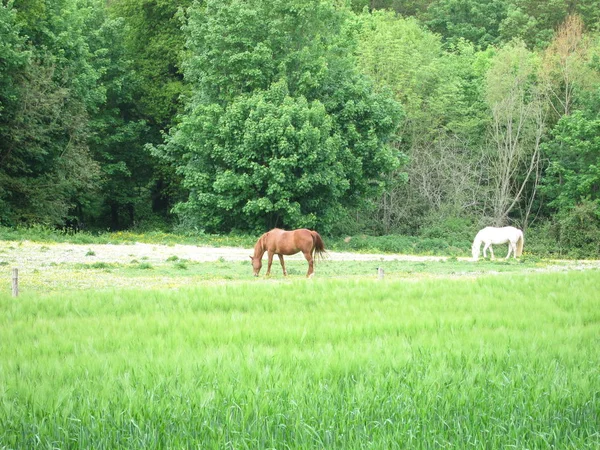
{"x": 534, "y": 21}
{"x": 518, "y": 123}
{"x": 46, "y": 163}
{"x": 281, "y": 129}
{"x": 444, "y": 119}
{"x": 571, "y": 182}
{"x": 566, "y": 66}
{"x": 572, "y": 74}
{"x": 146, "y": 92}
{"x": 573, "y": 173}
{"x": 476, "y": 21}
{"x": 117, "y": 132}
{"x": 402, "y": 7}
{"x": 155, "y": 42}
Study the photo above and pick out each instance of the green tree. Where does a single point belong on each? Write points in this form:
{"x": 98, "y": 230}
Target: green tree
{"x": 534, "y": 22}
{"x": 573, "y": 173}
{"x": 14, "y": 59}
{"x": 46, "y": 163}
{"x": 154, "y": 42}
{"x": 571, "y": 182}
{"x": 281, "y": 129}
{"x": 403, "y": 7}
{"x": 147, "y": 92}
{"x": 444, "y": 120}
{"x": 117, "y": 133}
{"x": 476, "y": 21}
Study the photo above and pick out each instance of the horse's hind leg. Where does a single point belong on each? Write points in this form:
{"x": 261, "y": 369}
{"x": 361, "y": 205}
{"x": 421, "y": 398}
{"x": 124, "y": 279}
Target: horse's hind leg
{"x": 512, "y": 246}
{"x": 309, "y": 258}
{"x": 282, "y": 265}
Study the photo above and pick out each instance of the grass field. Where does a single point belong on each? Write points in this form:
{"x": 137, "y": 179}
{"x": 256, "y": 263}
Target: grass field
{"x": 505, "y": 361}
{"x": 174, "y": 273}
{"x": 56, "y": 267}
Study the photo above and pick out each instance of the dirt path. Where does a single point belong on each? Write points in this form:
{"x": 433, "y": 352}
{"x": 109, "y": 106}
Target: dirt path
{"x": 33, "y": 254}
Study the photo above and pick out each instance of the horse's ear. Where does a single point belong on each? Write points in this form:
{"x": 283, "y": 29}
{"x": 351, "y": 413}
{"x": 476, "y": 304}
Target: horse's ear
{"x": 251, "y": 258}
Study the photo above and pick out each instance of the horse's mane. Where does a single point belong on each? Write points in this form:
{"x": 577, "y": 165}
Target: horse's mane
{"x": 260, "y": 244}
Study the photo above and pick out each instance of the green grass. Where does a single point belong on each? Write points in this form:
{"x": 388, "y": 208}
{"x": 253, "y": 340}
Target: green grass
{"x": 506, "y": 361}
{"x": 174, "y": 272}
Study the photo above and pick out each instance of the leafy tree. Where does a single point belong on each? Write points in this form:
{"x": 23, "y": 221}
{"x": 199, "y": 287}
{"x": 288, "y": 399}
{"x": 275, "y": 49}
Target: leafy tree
{"x": 573, "y": 174}
{"x": 477, "y": 21}
{"x": 46, "y": 163}
{"x": 281, "y": 129}
{"x": 147, "y": 91}
{"x": 444, "y": 118}
{"x": 15, "y": 59}
{"x": 154, "y": 42}
{"x": 118, "y": 134}
{"x": 534, "y": 21}
{"x": 571, "y": 182}
{"x": 403, "y": 7}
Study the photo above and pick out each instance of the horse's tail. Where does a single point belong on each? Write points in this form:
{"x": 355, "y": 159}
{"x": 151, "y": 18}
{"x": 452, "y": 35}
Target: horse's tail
{"x": 520, "y": 243}
{"x": 319, "y": 245}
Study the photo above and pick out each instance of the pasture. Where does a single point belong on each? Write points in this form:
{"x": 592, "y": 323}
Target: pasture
{"x": 167, "y": 352}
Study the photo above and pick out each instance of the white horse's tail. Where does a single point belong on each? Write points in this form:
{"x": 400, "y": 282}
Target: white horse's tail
{"x": 520, "y": 243}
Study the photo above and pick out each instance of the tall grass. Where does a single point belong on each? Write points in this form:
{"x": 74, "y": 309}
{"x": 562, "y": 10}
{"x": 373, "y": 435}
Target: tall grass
{"x": 493, "y": 362}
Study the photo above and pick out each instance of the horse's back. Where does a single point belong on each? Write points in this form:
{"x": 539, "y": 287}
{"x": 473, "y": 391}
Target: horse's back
{"x": 499, "y": 235}
{"x": 289, "y": 242}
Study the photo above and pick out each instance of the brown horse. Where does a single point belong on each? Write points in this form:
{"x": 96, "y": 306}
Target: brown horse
{"x": 280, "y": 242}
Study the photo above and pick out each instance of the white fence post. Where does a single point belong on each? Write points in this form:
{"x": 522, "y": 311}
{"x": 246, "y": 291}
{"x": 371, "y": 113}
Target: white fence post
{"x": 15, "y": 282}
{"x": 380, "y": 273}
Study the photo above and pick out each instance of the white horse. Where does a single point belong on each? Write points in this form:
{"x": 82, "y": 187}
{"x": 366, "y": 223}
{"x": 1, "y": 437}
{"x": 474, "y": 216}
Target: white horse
{"x": 493, "y": 235}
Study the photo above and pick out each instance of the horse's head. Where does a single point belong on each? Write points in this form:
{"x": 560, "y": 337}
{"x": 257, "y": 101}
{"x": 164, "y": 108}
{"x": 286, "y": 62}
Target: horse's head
{"x": 256, "y": 265}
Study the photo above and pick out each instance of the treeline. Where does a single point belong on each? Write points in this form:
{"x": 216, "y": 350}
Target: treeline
{"x": 414, "y": 117}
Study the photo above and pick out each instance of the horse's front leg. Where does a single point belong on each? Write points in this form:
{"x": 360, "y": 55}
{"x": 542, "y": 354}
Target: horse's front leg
{"x": 282, "y": 265}
{"x": 485, "y": 248}
{"x": 270, "y": 258}
{"x": 309, "y": 258}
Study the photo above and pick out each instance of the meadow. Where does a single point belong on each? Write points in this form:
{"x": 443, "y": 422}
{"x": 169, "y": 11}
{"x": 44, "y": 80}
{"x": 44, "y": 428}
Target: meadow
{"x": 338, "y": 362}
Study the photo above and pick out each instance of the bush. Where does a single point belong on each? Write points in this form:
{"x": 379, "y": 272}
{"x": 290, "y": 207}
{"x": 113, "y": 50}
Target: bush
{"x": 578, "y": 229}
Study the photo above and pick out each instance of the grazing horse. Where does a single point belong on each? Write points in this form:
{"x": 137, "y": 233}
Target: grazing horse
{"x": 280, "y": 242}
{"x": 493, "y": 235}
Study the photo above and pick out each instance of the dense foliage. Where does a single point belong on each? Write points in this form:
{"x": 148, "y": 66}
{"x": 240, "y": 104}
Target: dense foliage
{"x": 289, "y": 144}
{"x": 353, "y": 117}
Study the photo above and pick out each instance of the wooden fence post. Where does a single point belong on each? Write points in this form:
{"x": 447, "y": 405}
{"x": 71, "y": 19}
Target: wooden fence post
{"x": 15, "y": 282}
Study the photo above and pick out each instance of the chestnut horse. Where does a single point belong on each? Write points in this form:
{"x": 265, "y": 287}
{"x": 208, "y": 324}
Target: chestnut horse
{"x": 280, "y": 242}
